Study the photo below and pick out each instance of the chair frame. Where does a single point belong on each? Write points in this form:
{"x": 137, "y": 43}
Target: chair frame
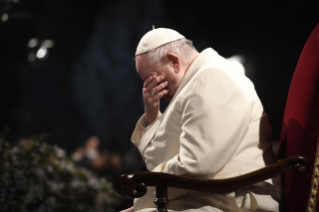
{"x": 135, "y": 185}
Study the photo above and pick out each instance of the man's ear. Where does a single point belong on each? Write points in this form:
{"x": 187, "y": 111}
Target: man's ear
{"x": 174, "y": 61}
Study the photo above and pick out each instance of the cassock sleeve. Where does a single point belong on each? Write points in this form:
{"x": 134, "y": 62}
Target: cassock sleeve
{"x": 141, "y": 128}
{"x": 215, "y": 117}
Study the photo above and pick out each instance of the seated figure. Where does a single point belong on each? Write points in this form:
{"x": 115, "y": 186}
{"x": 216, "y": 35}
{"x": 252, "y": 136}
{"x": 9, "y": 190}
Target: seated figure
{"x": 214, "y": 126}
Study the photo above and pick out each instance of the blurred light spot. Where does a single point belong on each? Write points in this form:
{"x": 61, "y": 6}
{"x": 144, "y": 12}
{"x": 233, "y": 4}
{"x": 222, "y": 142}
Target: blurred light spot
{"x": 47, "y": 43}
{"x": 4, "y": 17}
{"x": 15, "y": 1}
{"x": 42, "y": 52}
{"x": 33, "y": 43}
{"x": 237, "y": 61}
{"x": 31, "y": 57}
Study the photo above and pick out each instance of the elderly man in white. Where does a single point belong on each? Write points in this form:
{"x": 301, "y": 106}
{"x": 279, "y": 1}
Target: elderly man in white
{"x": 214, "y": 126}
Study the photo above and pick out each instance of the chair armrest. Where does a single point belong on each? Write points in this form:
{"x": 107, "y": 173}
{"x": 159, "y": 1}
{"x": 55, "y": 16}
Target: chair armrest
{"x": 134, "y": 185}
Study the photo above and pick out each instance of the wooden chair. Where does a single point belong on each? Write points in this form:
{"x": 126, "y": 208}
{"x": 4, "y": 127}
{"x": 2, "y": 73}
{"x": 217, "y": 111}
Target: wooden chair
{"x": 299, "y": 136}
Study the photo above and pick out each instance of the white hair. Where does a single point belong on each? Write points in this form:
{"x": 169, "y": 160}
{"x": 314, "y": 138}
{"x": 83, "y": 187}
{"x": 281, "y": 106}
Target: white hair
{"x": 182, "y": 47}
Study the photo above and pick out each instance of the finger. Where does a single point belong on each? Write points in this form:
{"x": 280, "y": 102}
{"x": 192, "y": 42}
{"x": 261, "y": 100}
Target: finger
{"x": 154, "y": 82}
{"x": 149, "y": 80}
{"x": 161, "y": 93}
{"x": 160, "y": 87}
{"x": 147, "y": 96}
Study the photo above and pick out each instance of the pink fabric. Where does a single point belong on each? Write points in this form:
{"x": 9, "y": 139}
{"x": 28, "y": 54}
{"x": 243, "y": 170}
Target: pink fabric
{"x": 300, "y": 129}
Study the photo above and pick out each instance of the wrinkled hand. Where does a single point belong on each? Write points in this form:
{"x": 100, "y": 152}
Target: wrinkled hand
{"x": 157, "y": 85}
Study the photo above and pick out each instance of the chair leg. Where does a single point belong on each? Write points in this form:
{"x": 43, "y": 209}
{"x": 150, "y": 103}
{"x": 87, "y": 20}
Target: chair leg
{"x": 161, "y": 199}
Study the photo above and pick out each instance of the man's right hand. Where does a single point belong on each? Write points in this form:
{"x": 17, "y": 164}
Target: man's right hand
{"x": 156, "y": 85}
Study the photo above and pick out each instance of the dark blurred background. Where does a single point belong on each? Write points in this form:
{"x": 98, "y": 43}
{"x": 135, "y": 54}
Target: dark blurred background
{"x": 67, "y": 67}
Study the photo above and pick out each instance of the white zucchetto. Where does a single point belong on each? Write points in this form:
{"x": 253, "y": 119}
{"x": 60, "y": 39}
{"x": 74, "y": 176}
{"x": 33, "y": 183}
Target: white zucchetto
{"x": 156, "y": 38}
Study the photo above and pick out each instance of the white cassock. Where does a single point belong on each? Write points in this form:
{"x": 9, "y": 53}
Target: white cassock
{"x": 213, "y": 128}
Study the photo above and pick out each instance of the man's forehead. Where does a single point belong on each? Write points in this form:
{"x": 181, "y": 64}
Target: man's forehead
{"x": 139, "y": 63}
{"x": 139, "y": 59}
{"x": 142, "y": 67}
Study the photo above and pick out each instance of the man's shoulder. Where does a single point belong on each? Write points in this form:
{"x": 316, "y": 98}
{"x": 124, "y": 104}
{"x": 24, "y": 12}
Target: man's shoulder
{"x": 224, "y": 72}
{"x": 218, "y": 79}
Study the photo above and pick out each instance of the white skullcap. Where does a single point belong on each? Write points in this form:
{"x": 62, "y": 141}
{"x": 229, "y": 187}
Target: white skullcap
{"x": 156, "y": 38}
